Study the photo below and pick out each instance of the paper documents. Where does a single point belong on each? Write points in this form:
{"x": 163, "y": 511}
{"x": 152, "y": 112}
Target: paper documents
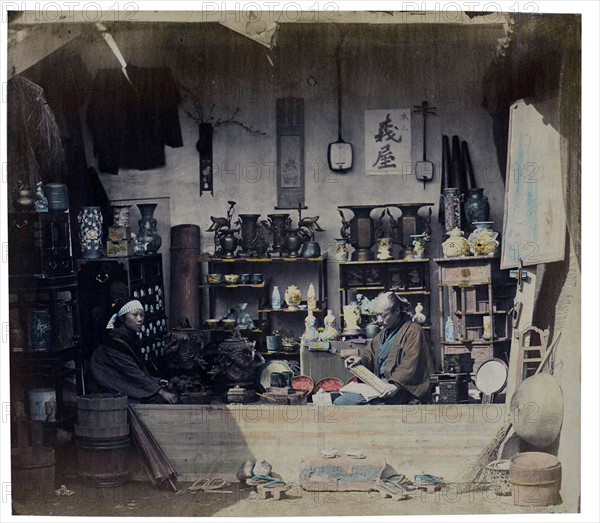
{"x": 366, "y": 391}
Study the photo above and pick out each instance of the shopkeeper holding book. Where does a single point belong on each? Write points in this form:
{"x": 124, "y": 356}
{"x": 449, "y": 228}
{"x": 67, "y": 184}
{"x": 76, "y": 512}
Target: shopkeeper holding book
{"x": 400, "y": 354}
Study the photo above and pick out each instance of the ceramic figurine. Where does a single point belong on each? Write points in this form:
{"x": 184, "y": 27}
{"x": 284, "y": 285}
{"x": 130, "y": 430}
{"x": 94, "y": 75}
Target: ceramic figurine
{"x": 330, "y": 331}
{"x": 351, "y": 319}
{"x": 419, "y": 317}
{"x": 244, "y": 320}
{"x": 384, "y": 249}
{"x": 310, "y": 331}
{"x": 456, "y": 245}
{"x": 311, "y": 297}
{"x": 293, "y": 297}
{"x": 41, "y": 202}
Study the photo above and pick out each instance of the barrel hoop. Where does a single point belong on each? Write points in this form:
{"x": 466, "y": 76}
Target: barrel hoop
{"x": 536, "y": 484}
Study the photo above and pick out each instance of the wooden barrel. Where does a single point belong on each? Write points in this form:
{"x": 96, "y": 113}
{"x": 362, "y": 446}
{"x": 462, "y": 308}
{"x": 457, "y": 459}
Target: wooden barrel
{"x": 103, "y": 462}
{"x": 535, "y": 479}
{"x": 33, "y": 473}
{"x": 106, "y": 412}
{"x": 185, "y": 295}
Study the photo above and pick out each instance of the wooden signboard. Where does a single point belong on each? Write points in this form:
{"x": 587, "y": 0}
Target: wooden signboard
{"x": 534, "y": 212}
{"x": 387, "y": 141}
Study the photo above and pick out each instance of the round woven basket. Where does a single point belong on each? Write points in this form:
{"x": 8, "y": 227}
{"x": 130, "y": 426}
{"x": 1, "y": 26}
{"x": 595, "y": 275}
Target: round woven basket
{"x": 496, "y": 474}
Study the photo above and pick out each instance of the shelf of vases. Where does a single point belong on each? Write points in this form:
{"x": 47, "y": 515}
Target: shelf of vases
{"x": 210, "y": 259}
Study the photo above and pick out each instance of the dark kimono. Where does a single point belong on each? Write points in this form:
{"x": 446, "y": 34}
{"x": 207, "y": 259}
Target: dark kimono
{"x": 116, "y": 366}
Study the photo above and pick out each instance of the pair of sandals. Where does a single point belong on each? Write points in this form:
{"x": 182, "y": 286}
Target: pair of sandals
{"x": 397, "y": 486}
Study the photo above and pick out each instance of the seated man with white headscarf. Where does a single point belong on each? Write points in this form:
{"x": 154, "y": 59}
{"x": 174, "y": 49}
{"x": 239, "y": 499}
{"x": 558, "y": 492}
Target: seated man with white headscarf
{"x": 116, "y": 366}
{"x": 400, "y": 354}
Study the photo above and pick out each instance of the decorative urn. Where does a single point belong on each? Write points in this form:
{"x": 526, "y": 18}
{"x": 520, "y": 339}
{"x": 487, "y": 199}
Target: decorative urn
{"x": 456, "y": 245}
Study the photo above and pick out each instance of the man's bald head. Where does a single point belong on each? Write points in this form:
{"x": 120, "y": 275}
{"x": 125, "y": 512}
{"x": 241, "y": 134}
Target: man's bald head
{"x": 389, "y": 308}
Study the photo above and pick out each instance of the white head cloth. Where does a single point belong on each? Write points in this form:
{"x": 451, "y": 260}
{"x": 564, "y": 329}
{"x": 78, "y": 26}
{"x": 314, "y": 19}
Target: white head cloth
{"x": 130, "y": 306}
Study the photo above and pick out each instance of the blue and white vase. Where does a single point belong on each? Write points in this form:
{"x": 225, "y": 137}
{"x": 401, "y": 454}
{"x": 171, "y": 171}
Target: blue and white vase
{"x": 41, "y": 329}
{"x": 90, "y": 232}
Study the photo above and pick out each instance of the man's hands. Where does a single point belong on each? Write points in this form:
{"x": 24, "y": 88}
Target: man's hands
{"x": 169, "y": 397}
{"x": 352, "y": 361}
{"x": 389, "y": 390}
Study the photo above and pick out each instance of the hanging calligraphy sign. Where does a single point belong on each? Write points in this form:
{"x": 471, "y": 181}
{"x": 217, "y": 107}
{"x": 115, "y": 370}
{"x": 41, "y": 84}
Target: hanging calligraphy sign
{"x": 387, "y": 141}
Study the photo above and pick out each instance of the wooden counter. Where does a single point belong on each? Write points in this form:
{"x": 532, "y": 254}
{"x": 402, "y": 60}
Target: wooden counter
{"x": 215, "y": 439}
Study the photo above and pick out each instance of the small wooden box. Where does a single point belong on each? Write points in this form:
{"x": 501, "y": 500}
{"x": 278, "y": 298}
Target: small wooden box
{"x": 119, "y": 249}
{"x": 116, "y": 234}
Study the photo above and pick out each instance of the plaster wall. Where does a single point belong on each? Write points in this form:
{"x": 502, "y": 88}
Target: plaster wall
{"x": 383, "y": 67}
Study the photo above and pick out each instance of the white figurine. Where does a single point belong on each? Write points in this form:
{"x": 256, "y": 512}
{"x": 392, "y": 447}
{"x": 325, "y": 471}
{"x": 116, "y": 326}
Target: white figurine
{"x": 330, "y": 332}
{"x": 310, "y": 331}
{"x": 365, "y": 304}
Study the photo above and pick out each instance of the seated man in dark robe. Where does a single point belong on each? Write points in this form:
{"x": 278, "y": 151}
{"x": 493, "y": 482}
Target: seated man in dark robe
{"x": 116, "y": 366}
{"x": 399, "y": 354}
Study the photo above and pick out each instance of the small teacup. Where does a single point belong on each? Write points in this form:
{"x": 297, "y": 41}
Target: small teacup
{"x": 256, "y": 278}
{"x": 245, "y": 278}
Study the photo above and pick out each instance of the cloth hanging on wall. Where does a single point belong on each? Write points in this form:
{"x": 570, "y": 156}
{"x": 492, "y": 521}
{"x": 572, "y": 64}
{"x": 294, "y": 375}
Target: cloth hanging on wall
{"x": 131, "y": 124}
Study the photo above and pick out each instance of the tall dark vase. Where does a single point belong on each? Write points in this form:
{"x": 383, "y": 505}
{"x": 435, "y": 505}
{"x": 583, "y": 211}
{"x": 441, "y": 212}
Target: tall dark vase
{"x": 452, "y": 209}
{"x": 250, "y": 233}
{"x": 278, "y": 226}
{"x": 147, "y": 233}
{"x": 477, "y": 208}
{"x": 361, "y": 231}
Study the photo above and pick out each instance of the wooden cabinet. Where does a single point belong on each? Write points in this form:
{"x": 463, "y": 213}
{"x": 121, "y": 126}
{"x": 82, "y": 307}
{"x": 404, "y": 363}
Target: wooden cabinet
{"x": 477, "y": 297}
{"x": 279, "y": 272}
{"x": 40, "y": 244}
{"x": 407, "y": 278}
{"x": 106, "y": 279}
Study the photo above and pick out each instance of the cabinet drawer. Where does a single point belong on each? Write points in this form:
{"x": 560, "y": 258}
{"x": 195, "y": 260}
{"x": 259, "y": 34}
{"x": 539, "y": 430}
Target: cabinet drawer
{"x": 472, "y": 274}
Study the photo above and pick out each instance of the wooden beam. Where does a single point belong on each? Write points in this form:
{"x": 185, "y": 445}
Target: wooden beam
{"x": 28, "y": 45}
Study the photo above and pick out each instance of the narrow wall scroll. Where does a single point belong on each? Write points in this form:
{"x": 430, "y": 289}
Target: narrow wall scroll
{"x": 290, "y": 153}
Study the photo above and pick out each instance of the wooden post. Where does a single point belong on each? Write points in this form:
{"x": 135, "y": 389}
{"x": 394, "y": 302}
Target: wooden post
{"x": 185, "y": 293}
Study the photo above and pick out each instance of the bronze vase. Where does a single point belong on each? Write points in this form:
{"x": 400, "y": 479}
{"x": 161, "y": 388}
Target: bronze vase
{"x": 250, "y": 233}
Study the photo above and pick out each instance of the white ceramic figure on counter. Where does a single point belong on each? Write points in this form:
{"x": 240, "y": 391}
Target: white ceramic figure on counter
{"x": 244, "y": 320}
{"x": 310, "y": 331}
{"x": 351, "y": 319}
{"x": 330, "y": 332}
{"x": 293, "y": 297}
{"x": 456, "y": 245}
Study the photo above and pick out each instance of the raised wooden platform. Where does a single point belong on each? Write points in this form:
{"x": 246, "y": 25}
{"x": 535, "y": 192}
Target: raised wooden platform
{"x": 203, "y": 440}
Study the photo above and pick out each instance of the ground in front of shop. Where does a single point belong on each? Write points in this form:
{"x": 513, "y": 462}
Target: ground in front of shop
{"x": 142, "y": 499}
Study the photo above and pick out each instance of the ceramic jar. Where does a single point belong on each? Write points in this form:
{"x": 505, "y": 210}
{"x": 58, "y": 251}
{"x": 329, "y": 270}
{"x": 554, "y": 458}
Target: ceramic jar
{"x": 293, "y": 297}
{"x": 25, "y": 200}
{"x": 477, "y": 208}
{"x": 372, "y": 330}
{"x": 418, "y": 252}
{"x": 41, "y": 329}
{"x": 276, "y": 298}
{"x": 90, "y": 232}
{"x": 310, "y": 250}
{"x": 58, "y": 197}
{"x": 384, "y": 249}
{"x": 229, "y": 243}
{"x": 483, "y": 240}
{"x": 419, "y": 317}
{"x": 341, "y": 250}
{"x": 456, "y": 245}
{"x": 147, "y": 225}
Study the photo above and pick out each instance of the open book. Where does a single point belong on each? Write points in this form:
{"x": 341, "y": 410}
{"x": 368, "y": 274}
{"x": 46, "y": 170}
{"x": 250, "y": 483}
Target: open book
{"x": 367, "y": 392}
